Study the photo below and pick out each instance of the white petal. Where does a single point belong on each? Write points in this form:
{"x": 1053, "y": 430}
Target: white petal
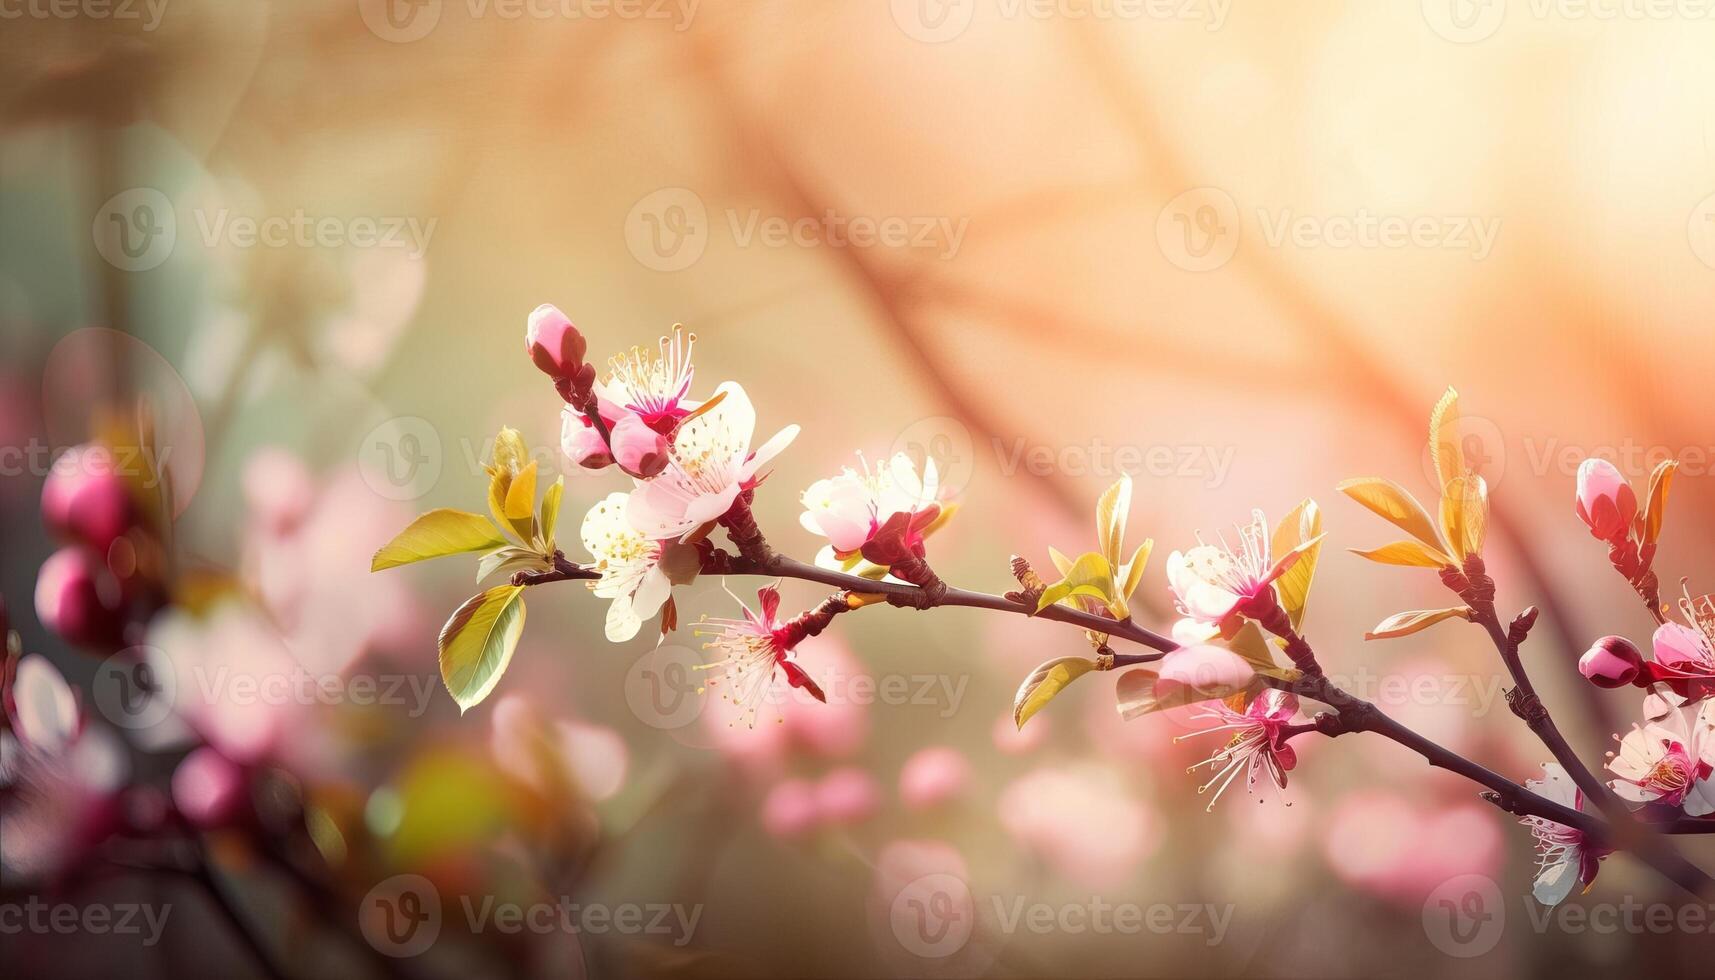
{"x": 1556, "y": 881}
{"x": 622, "y": 621}
{"x": 769, "y": 450}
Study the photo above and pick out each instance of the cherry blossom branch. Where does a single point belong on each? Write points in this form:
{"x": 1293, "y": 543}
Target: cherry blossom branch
{"x": 897, "y": 593}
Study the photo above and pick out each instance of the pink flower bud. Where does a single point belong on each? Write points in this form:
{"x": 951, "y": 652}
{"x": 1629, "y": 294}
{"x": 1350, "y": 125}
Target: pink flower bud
{"x": 1612, "y": 662}
{"x": 581, "y": 443}
{"x": 1606, "y": 501}
{"x": 85, "y": 499}
{"x": 639, "y": 450}
{"x": 208, "y": 789}
{"x": 933, "y": 776}
{"x": 77, "y": 598}
{"x": 554, "y": 344}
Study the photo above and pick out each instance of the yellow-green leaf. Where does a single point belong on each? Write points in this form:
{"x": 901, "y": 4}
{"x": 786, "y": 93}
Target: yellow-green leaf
{"x": 551, "y": 512}
{"x": 1089, "y": 576}
{"x": 1417, "y": 620}
{"x": 1044, "y": 683}
{"x": 1655, "y": 509}
{"x": 1304, "y": 524}
{"x": 1061, "y": 562}
{"x": 435, "y": 535}
{"x": 1111, "y": 511}
{"x": 1465, "y": 515}
{"x": 1134, "y": 569}
{"x": 477, "y": 643}
{"x": 1444, "y": 440}
{"x": 1410, "y": 553}
{"x": 1396, "y": 505}
{"x": 521, "y": 494}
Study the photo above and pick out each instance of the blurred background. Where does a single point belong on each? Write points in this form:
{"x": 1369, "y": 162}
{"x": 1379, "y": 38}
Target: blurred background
{"x": 276, "y": 259}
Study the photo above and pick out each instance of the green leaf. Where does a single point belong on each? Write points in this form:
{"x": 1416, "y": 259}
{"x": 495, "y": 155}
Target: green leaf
{"x": 1089, "y": 576}
{"x": 478, "y": 641}
{"x": 1044, "y": 683}
{"x": 551, "y": 513}
{"x": 1465, "y": 515}
{"x": 1407, "y": 623}
{"x": 1134, "y": 569}
{"x": 435, "y": 535}
{"x": 1302, "y": 525}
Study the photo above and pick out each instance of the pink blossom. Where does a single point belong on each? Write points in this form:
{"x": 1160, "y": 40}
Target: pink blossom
{"x": 1378, "y": 841}
{"x": 1605, "y": 500}
{"x": 1214, "y": 584}
{"x": 1013, "y": 740}
{"x": 934, "y": 776}
{"x": 78, "y": 598}
{"x": 1258, "y": 744}
{"x": 590, "y": 760}
{"x": 1565, "y": 858}
{"x": 1669, "y": 761}
{"x": 851, "y": 509}
{"x": 709, "y": 465}
{"x": 554, "y": 345}
{"x": 755, "y": 650}
{"x": 1684, "y": 656}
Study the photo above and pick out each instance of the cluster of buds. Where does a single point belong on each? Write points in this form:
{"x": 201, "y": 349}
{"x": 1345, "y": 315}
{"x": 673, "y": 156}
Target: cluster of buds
{"x": 627, "y": 418}
{"x": 103, "y": 576}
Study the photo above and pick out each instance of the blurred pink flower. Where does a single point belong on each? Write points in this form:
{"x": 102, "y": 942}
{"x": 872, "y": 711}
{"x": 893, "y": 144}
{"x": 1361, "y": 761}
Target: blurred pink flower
{"x": 85, "y": 498}
{"x": 61, "y": 778}
{"x": 789, "y": 809}
{"x": 1081, "y": 821}
{"x": 1012, "y": 740}
{"x": 208, "y": 789}
{"x": 278, "y": 489}
{"x": 591, "y": 759}
{"x": 934, "y": 776}
{"x": 1400, "y": 851}
{"x": 847, "y": 795}
{"x": 902, "y": 862}
{"x": 314, "y": 576}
